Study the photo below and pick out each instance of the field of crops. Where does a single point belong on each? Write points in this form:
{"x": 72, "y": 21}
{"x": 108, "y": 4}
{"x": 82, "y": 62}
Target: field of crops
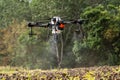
{"x": 90, "y": 73}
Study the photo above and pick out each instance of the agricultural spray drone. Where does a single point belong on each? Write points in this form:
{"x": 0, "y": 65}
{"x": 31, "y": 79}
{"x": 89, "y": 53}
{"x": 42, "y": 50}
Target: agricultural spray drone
{"x": 56, "y": 24}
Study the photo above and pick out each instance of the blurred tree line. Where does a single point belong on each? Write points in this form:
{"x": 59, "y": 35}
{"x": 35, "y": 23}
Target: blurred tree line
{"x": 99, "y": 46}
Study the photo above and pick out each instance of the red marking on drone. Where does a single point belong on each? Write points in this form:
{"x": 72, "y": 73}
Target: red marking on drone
{"x": 61, "y": 25}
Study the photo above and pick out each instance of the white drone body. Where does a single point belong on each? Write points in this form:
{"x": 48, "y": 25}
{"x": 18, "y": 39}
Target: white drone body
{"x": 54, "y": 21}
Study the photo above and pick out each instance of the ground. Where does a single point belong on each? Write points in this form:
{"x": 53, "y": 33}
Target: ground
{"x": 88, "y": 73}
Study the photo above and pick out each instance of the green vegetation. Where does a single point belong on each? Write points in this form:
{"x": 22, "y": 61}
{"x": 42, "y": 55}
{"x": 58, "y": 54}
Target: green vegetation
{"x": 102, "y": 34}
{"x": 99, "y": 46}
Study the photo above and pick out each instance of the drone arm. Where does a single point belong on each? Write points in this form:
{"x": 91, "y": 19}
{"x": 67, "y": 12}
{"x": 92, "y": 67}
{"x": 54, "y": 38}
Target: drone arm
{"x": 38, "y": 24}
{"x": 68, "y": 22}
{"x": 78, "y": 21}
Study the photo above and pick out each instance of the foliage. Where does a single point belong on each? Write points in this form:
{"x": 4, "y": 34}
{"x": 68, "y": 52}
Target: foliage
{"x": 13, "y": 9}
{"x": 102, "y": 32}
